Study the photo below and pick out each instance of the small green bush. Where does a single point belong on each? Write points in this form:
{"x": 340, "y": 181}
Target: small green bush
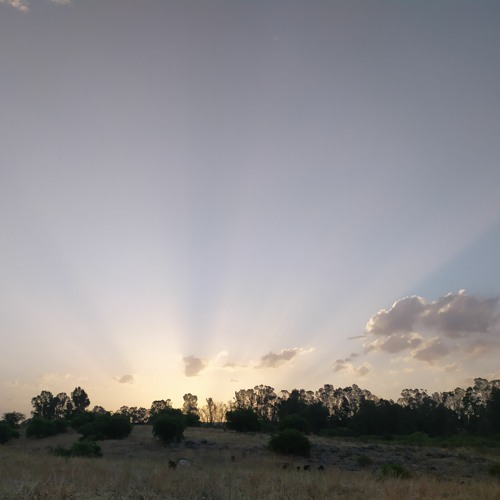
{"x": 7, "y": 432}
{"x": 169, "y": 428}
{"x": 40, "y": 427}
{"x": 290, "y": 442}
{"x": 395, "y": 471}
{"x": 363, "y": 461}
{"x": 494, "y": 470}
{"x": 79, "y": 449}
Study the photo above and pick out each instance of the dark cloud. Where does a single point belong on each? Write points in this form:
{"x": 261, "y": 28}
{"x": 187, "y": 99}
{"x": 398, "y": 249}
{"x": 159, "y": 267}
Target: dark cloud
{"x": 193, "y": 365}
{"x": 275, "y": 359}
{"x": 125, "y": 379}
{"x": 432, "y": 330}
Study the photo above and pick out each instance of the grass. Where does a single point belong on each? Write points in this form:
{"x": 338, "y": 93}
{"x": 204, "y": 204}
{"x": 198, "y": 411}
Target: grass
{"x": 137, "y": 468}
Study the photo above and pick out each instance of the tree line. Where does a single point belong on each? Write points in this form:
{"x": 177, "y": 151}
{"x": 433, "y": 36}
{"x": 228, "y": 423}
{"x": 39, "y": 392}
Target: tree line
{"x": 336, "y": 411}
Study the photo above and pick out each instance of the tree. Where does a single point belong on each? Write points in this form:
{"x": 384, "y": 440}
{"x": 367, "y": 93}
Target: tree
{"x": 13, "y": 419}
{"x": 243, "y": 420}
{"x": 104, "y": 426}
{"x": 157, "y": 407}
{"x": 44, "y": 405}
{"x": 80, "y": 400}
{"x": 190, "y": 404}
{"x": 169, "y": 427}
{"x": 63, "y": 406}
{"x": 493, "y": 409}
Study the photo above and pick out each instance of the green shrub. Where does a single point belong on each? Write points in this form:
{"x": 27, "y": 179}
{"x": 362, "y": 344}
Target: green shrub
{"x": 79, "y": 449}
{"x": 169, "y": 428}
{"x": 295, "y": 421}
{"x": 105, "y": 426}
{"x": 395, "y": 471}
{"x": 363, "y": 461}
{"x": 40, "y": 427}
{"x": 243, "y": 420}
{"x": 494, "y": 470}
{"x": 290, "y": 442}
{"x": 7, "y": 432}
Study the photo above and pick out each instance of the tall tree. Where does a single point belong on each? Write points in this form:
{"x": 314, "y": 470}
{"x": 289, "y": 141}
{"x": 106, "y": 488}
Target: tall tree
{"x": 190, "y": 404}
{"x": 44, "y": 405}
{"x": 80, "y": 400}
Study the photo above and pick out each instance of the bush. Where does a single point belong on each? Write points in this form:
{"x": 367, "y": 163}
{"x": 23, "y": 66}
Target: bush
{"x": 494, "y": 470}
{"x": 243, "y": 420}
{"x": 79, "y": 449}
{"x": 192, "y": 420}
{"x": 290, "y": 442}
{"x": 105, "y": 426}
{"x": 7, "y": 432}
{"x": 42, "y": 427}
{"x": 395, "y": 471}
{"x": 169, "y": 428}
{"x": 363, "y": 460}
{"x": 295, "y": 421}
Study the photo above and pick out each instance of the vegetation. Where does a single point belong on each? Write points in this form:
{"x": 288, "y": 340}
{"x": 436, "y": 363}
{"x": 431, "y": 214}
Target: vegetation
{"x": 169, "y": 428}
{"x": 105, "y": 426}
{"x": 290, "y": 442}
{"x": 85, "y": 448}
{"x": 243, "y": 420}
{"x": 7, "y": 432}
{"x": 395, "y": 471}
{"x": 39, "y": 427}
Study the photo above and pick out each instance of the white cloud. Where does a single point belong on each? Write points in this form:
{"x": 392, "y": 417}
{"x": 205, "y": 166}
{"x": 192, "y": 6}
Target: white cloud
{"x": 430, "y": 331}
{"x": 23, "y": 6}
{"x": 347, "y": 365}
{"x": 20, "y": 5}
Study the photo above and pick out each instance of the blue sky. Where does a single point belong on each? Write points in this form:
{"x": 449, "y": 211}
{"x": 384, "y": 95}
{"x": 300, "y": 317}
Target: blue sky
{"x": 206, "y": 196}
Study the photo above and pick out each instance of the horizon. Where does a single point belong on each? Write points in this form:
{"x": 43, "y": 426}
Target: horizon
{"x": 203, "y": 197}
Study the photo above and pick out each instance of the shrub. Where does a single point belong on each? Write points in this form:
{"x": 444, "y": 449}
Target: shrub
{"x": 395, "y": 470}
{"x": 7, "y": 432}
{"x": 243, "y": 420}
{"x": 192, "y": 420}
{"x": 494, "y": 470}
{"x": 40, "y": 427}
{"x": 169, "y": 428}
{"x": 79, "y": 449}
{"x": 295, "y": 421}
{"x": 363, "y": 460}
{"x": 290, "y": 442}
{"x": 106, "y": 426}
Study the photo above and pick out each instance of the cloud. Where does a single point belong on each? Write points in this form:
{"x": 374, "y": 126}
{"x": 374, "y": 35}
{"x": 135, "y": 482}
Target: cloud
{"x": 430, "y": 331}
{"x": 125, "y": 379}
{"x": 348, "y": 365}
{"x": 20, "y": 5}
{"x": 193, "y": 365}
{"x": 23, "y": 6}
{"x": 275, "y": 359}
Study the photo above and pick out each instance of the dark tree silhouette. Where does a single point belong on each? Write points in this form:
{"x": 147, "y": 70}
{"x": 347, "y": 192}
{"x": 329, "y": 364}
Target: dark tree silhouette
{"x": 80, "y": 400}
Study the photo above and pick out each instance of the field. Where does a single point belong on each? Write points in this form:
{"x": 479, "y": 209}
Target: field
{"x": 226, "y": 465}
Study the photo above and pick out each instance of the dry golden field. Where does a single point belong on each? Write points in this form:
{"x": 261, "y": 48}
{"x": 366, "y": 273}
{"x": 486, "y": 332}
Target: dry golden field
{"x": 137, "y": 468}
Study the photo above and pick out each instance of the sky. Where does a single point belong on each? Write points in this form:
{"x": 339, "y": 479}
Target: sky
{"x": 207, "y": 196}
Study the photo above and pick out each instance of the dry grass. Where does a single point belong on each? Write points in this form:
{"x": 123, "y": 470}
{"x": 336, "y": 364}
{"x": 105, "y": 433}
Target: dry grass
{"x": 137, "y": 468}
